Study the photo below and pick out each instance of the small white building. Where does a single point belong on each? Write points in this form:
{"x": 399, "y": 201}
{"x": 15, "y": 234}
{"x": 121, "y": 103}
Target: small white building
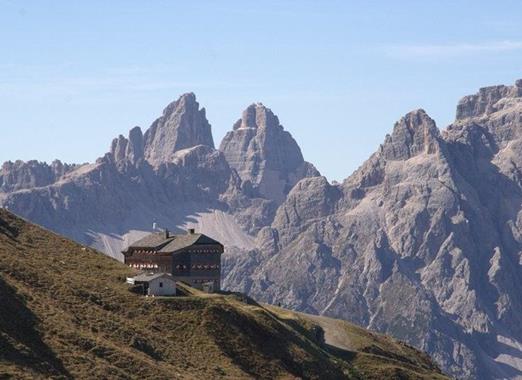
{"x": 155, "y": 284}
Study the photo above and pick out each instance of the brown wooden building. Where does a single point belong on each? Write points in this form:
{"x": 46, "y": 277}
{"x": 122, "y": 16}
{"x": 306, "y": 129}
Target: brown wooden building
{"x": 192, "y": 257}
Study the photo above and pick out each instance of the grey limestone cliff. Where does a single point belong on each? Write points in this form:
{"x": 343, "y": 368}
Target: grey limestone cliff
{"x": 20, "y": 175}
{"x": 422, "y": 242}
{"x": 182, "y": 125}
{"x": 265, "y": 156}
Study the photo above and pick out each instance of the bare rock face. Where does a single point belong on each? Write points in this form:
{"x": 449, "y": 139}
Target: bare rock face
{"x": 200, "y": 173}
{"x": 24, "y": 175}
{"x": 266, "y": 157}
{"x": 182, "y": 125}
{"x": 130, "y": 149}
{"x": 414, "y": 134}
{"x": 488, "y": 100}
{"x": 422, "y": 242}
{"x": 311, "y": 199}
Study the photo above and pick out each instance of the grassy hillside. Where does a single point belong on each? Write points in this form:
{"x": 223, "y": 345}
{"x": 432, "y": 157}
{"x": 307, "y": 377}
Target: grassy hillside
{"x": 66, "y": 312}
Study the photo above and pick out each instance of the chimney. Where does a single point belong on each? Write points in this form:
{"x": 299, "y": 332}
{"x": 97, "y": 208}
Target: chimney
{"x": 166, "y": 234}
{"x": 191, "y": 231}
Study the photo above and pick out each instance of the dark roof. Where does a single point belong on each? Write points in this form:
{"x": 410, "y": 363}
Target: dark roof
{"x": 182, "y": 241}
{"x": 146, "y": 277}
{"x": 153, "y": 240}
{"x": 158, "y": 241}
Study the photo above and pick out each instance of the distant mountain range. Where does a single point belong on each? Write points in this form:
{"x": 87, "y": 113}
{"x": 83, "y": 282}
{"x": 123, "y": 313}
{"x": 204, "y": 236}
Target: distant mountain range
{"x": 423, "y": 241}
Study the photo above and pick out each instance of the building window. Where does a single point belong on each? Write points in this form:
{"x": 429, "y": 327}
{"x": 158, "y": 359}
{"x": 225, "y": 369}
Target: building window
{"x": 161, "y": 284}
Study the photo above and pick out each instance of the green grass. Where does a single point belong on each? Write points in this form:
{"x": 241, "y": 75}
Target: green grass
{"x": 66, "y": 312}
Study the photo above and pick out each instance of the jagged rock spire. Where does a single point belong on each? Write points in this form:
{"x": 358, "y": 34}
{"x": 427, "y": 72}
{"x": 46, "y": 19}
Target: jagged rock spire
{"x": 182, "y": 125}
{"x": 257, "y": 116}
{"x": 130, "y": 149}
{"x": 413, "y": 134}
{"x": 264, "y": 154}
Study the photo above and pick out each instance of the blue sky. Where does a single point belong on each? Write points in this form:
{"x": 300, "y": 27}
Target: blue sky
{"x": 75, "y": 74}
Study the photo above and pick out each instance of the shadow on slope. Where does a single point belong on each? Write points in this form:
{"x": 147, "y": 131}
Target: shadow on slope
{"x": 20, "y": 341}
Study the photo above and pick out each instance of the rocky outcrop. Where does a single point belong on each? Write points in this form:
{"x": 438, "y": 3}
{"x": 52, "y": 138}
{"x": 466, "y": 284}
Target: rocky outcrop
{"x": 266, "y": 157}
{"x": 200, "y": 173}
{"x": 131, "y": 149}
{"x": 25, "y": 175}
{"x": 423, "y": 241}
{"x": 487, "y": 100}
{"x": 311, "y": 199}
{"x": 414, "y": 134}
{"x": 182, "y": 125}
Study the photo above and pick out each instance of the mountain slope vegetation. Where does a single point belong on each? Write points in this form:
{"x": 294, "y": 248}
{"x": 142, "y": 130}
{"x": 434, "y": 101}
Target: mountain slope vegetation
{"x": 68, "y": 313}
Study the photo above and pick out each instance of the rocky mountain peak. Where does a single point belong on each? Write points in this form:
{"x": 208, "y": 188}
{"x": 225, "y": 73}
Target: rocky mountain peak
{"x": 119, "y": 147}
{"x": 265, "y": 156}
{"x": 413, "y": 134}
{"x": 182, "y": 125}
{"x": 187, "y": 101}
{"x": 135, "y": 146}
{"x": 486, "y": 101}
{"x": 131, "y": 149}
{"x": 256, "y": 116}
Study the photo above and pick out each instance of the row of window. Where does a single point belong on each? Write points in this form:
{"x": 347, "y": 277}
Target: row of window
{"x": 190, "y": 251}
{"x": 144, "y": 251}
{"x": 179, "y": 266}
{"x": 201, "y": 281}
{"x": 144, "y": 266}
{"x": 200, "y": 267}
{"x": 204, "y": 251}
{"x": 213, "y": 266}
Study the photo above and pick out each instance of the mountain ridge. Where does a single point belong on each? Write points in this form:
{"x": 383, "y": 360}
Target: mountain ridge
{"x": 432, "y": 217}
